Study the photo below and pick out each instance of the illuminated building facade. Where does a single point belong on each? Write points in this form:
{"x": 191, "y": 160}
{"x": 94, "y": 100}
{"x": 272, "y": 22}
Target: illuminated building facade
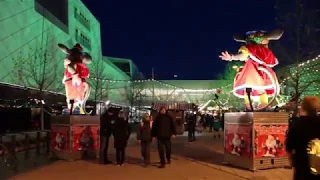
{"x": 127, "y": 66}
{"x": 32, "y": 28}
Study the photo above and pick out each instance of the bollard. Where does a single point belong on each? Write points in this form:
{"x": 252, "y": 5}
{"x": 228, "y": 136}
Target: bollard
{"x": 12, "y": 161}
{"x": 47, "y": 142}
{"x": 38, "y": 139}
{"x": 1, "y": 149}
{"x": 13, "y": 146}
{"x": 26, "y": 146}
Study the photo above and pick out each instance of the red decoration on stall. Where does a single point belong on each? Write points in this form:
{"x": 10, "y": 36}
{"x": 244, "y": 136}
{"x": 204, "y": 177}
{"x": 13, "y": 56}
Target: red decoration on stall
{"x": 237, "y": 140}
{"x": 59, "y": 138}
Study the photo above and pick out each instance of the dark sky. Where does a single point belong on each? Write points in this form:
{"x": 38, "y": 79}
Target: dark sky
{"x": 177, "y": 37}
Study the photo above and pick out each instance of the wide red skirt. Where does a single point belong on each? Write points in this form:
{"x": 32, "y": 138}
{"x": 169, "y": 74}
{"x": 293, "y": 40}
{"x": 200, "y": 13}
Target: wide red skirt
{"x": 261, "y": 79}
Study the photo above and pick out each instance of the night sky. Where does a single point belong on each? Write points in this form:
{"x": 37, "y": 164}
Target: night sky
{"x": 177, "y": 37}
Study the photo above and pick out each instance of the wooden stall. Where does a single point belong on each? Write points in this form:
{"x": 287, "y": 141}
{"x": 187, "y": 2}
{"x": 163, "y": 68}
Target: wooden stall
{"x": 177, "y": 112}
{"x": 73, "y": 137}
{"x": 255, "y": 140}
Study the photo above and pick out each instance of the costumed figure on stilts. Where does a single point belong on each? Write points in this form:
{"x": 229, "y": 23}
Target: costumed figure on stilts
{"x": 256, "y": 80}
{"x": 75, "y": 76}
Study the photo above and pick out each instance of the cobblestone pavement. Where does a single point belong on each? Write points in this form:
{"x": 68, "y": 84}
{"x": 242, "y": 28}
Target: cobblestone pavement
{"x": 191, "y": 161}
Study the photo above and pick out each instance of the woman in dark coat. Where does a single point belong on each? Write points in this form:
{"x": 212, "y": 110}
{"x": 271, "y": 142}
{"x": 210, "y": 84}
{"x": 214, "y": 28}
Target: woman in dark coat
{"x": 121, "y": 134}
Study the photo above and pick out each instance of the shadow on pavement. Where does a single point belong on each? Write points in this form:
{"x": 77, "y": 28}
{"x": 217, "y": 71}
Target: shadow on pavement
{"x": 199, "y": 150}
{"x": 206, "y": 151}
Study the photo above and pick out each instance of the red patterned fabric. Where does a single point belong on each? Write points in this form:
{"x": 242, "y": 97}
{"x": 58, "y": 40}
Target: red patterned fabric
{"x": 263, "y": 54}
{"x": 81, "y": 70}
{"x": 173, "y": 106}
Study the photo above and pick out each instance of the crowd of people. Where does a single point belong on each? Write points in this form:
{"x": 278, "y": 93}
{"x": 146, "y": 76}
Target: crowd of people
{"x": 302, "y": 146}
{"x": 197, "y": 123}
{"x": 161, "y": 128}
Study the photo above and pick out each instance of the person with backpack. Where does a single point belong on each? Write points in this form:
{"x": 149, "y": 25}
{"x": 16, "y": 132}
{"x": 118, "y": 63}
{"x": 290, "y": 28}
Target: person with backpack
{"x": 145, "y": 138}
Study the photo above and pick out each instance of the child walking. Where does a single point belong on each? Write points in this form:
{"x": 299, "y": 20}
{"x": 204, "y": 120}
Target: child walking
{"x": 145, "y": 138}
{"x": 121, "y": 134}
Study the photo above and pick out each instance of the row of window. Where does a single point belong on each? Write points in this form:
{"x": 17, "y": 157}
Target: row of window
{"x": 81, "y": 18}
{"x": 83, "y": 39}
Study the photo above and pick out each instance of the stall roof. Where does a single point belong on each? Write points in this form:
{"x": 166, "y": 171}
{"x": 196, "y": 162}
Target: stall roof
{"x": 174, "y": 106}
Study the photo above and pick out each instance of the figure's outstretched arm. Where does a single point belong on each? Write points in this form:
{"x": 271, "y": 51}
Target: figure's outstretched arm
{"x": 64, "y": 48}
{"x": 239, "y": 57}
{"x": 243, "y": 54}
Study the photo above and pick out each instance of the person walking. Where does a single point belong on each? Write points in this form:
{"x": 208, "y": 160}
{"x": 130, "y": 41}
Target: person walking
{"x": 121, "y": 134}
{"x": 303, "y": 139}
{"x": 210, "y": 122}
{"x": 105, "y": 132}
{"x": 191, "y": 128}
{"x": 163, "y": 128}
{"x": 145, "y": 138}
{"x": 217, "y": 129}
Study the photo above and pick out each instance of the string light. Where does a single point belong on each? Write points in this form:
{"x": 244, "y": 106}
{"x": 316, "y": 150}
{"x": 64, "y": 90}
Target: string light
{"x": 181, "y": 89}
{"x": 312, "y": 71}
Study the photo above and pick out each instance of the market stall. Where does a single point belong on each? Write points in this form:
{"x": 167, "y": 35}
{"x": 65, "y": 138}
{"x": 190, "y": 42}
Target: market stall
{"x": 255, "y": 140}
{"x": 176, "y": 110}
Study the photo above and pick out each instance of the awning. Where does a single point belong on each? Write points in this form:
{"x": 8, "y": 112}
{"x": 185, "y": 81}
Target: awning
{"x": 174, "y": 106}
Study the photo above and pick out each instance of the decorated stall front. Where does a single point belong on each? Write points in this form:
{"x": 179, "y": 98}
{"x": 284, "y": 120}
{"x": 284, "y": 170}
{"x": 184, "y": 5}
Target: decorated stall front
{"x": 255, "y": 139}
{"x": 75, "y": 133}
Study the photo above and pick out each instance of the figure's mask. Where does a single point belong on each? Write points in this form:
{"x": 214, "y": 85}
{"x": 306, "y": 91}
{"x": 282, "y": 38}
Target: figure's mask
{"x": 76, "y": 54}
{"x": 256, "y": 37}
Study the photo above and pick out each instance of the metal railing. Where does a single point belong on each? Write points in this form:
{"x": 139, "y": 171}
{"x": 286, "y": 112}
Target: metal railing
{"x": 24, "y": 142}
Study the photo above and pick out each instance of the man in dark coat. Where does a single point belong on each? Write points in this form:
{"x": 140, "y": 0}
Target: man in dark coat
{"x": 121, "y": 133}
{"x": 191, "y": 123}
{"x": 106, "y": 121}
{"x": 163, "y": 129}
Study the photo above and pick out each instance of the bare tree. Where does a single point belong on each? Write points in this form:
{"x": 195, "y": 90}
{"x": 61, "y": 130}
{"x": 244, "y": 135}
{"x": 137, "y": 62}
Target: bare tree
{"x": 134, "y": 93}
{"x": 299, "y": 20}
{"x": 38, "y": 69}
{"x": 100, "y": 81}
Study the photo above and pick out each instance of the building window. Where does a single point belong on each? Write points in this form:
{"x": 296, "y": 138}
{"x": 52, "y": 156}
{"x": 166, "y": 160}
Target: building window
{"x": 55, "y": 11}
{"x": 83, "y": 39}
{"x": 80, "y": 17}
{"x": 125, "y": 67}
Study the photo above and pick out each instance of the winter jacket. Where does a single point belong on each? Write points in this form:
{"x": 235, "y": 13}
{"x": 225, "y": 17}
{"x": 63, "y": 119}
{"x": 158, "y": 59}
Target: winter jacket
{"x": 191, "y": 123}
{"x": 144, "y": 132}
{"x": 163, "y": 127}
{"x": 121, "y": 133}
{"x": 106, "y": 124}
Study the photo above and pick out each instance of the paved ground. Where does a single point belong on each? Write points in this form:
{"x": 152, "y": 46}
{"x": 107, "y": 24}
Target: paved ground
{"x": 191, "y": 161}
